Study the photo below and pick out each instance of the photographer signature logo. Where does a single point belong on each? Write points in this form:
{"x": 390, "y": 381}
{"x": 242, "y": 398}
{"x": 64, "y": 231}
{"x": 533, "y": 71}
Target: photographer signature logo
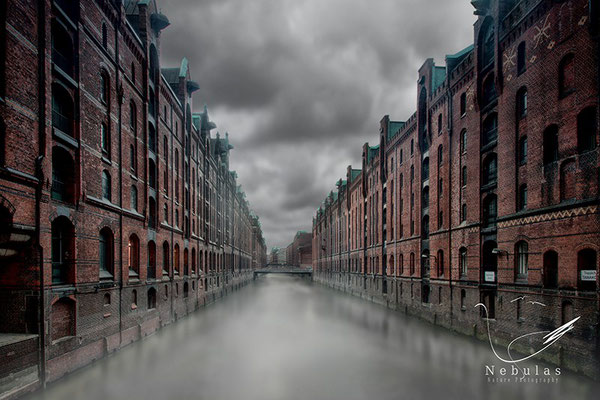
{"x": 547, "y": 340}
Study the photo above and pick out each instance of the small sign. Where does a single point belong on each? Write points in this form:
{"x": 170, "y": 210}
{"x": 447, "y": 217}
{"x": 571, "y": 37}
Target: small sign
{"x": 489, "y": 276}
{"x": 588, "y": 275}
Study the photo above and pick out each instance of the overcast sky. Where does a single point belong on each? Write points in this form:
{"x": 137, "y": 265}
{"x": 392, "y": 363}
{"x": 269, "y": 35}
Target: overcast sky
{"x": 300, "y": 85}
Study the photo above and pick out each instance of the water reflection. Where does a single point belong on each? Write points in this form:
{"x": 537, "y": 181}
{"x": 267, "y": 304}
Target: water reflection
{"x": 285, "y": 338}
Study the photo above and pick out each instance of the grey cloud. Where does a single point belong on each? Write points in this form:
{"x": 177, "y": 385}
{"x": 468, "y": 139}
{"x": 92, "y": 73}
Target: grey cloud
{"x": 300, "y": 86}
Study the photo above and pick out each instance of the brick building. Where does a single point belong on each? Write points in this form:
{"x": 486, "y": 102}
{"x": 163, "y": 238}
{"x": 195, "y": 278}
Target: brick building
{"x": 299, "y": 252}
{"x": 118, "y": 211}
{"x": 489, "y": 191}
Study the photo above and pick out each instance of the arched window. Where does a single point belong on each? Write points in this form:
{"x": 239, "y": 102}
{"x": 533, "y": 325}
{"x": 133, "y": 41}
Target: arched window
{"x": 62, "y": 321}
{"x": 462, "y": 262}
{"x": 463, "y": 104}
{"x": 63, "y": 181}
{"x": 521, "y": 260}
{"x": 550, "y": 144}
{"x": 463, "y": 141}
{"x": 151, "y": 299}
{"x": 104, "y": 87}
{"x": 463, "y": 176}
{"x": 440, "y": 156}
{"x": 522, "y": 200}
{"x": 566, "y": 75}
{"x": 440, "y": 263}
{"x": 522, "y": 150}
{"x": 62, "y": 110}
{"x": 489, "y": 132}
{"x": 166, "y": 252}
{"x": 176, "y": 259}
{"x": 63, "y": 246}
{"x": 522, "y": 102}
{"x": 104, "y": 36}
{"x": 106, "y": 254}
{"x": 440, "y": 125}
{"x": 486, "y": 43}
{"x": 151, "y": 260}
{"x": 463, "y": 213}
{"x": 62, "y": 48}
{"x": 587, "y": 270}
{"x": 490, "y": 170}
{"x": 551, "y": 269}
{"x": 586, "y": 130}
{"x": 133, "y": 256}
{"x": 133, "y": 72}
{"x": 490, "y": 210}
{"x": 106, "y": 185}
{"x": 521, "y": 58}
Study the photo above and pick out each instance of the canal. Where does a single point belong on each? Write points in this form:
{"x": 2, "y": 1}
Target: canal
{"x": 283, "y": 337}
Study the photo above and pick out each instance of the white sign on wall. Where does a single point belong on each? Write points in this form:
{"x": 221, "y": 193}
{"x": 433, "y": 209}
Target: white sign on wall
{"x": 588, "y": 275}
{"x": 489, "y": 276}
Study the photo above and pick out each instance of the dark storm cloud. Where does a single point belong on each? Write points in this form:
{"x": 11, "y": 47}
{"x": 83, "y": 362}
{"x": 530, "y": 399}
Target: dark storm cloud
{"x": 300, "y": 85}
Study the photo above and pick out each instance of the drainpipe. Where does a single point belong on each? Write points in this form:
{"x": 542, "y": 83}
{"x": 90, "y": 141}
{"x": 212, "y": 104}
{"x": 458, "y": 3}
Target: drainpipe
{"x": 119, "y": 92}
{"x": 38, "y": 190}
{"x": 450, "y": 128}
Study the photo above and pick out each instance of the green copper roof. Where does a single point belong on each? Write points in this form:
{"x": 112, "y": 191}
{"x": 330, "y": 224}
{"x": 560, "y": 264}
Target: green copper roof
{"x": 183, "y": 68}
{"x": 394, "y": 127}
{"x": 461, "y": 53}
{"x": 372, "y": 152}
{"x": 354, "y": 174}
{"x": 439, "y": 75}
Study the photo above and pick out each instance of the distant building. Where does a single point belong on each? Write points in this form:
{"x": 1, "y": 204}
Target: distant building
{"x": 277, "y": 256}
{"x": 299, "y": 252}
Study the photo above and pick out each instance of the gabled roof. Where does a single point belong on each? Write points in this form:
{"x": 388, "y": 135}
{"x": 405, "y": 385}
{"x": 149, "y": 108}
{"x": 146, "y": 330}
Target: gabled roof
{"x": 372, "y": 152}
{"x": 438, "y": 77}
{"x": 394, "y": 127}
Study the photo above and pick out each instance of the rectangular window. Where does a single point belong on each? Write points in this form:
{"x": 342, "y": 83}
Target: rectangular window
{"x": 104, "y": 139}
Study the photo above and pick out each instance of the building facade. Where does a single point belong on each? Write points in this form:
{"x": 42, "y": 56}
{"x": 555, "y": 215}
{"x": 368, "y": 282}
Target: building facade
{"x": 489, "y": 191}
{"x": 118, "y": 211}
{"x": 299, "y": 252}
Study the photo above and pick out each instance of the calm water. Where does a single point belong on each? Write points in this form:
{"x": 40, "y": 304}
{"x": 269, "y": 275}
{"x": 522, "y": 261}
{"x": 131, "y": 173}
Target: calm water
{"x": 286, "y": 338}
